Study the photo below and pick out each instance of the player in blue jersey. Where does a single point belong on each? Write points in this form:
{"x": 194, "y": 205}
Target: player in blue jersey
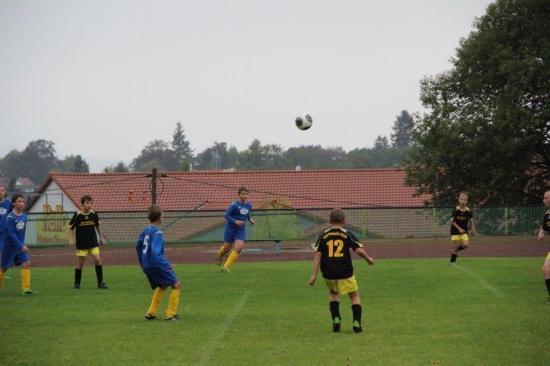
{"x": 15, "y": 252}
{"x": 159, "y": 272}
{"x": 5, "y": 208}
{"x": 545, "y": 227}
{"x": 332, "y": 255}
{"x": 459, "y": 226}
{"x": 238, "y": 213}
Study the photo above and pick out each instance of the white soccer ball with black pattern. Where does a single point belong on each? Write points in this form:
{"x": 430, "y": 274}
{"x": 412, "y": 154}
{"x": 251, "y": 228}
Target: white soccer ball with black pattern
{"x": 304, "y": 121}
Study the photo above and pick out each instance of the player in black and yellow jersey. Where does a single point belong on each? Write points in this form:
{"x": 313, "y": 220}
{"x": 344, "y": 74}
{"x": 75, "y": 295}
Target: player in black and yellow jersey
{"x": 462, "y": 215}
{"x": 334, "y": 257}
{"x": 86, "y": 223}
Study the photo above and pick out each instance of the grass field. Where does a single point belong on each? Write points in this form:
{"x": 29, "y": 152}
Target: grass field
{"x": 485, "y": 311}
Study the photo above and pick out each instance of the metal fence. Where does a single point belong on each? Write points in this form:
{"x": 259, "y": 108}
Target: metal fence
{"x": 123, "y": 228}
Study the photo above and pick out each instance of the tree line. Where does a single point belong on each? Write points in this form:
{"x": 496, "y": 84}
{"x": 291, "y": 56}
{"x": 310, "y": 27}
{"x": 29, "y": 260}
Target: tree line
{"x": 39, "y": 158}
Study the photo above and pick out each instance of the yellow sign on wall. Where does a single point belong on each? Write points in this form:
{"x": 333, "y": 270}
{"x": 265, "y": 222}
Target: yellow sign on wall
{"x": 54, "y": 228}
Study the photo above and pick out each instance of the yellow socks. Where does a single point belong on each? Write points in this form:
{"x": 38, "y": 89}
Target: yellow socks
{"x": 231, "y": 259}
{"x": 221, "y": 252}
{"x": 2, "y": 275}
{"x": 25, "y": 279}
{"x": 173, "y": 302}
{"x": 157, "y": 298}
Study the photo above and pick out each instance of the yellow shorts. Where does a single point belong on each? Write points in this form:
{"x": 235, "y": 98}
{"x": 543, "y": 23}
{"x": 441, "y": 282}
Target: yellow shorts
{"x": 463, "y": 237}
{"x": 548, "y": 256}
{"x": 85, "y": 252}
{"x": 343, "y": 286}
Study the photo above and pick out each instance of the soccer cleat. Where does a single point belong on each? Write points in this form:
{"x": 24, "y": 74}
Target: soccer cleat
{"x": 548, "y": 303}
{"x": 29, "y": 292}
{"x": 102, "y": 286}
{"x": 175, "y": 318}
{"x": 336, "y": 324}
{"x": 357, "y": 328}
{"x": 225, "y": 270}
{"x": 149, "y": 317}
{"x": 76, "y": 286}
{"x": 219, "y": 260}
{"x": 451, "y": 263}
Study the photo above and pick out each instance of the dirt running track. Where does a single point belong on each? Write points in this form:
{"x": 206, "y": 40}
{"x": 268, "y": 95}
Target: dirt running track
{"x": 379, "y": 249}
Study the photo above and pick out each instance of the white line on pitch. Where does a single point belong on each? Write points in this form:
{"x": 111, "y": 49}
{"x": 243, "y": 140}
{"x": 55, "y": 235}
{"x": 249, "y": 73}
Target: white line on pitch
{"x": 481, "y": 280}
{"x": 212, "y": 344}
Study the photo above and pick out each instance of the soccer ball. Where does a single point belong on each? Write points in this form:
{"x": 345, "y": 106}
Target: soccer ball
{"x": 304, "y": 121}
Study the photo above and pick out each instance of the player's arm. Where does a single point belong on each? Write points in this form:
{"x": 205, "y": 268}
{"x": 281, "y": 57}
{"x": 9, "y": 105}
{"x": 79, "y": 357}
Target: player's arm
{"x": 101, "y": 237}
{"x": 541, "y": 233}
{"x": 71, "y": 230}
{"x": 316, "y": 263}
{"x": 157, "y": 243}
{"x": 10, "y": 230}
{"x": 361, "y": 252}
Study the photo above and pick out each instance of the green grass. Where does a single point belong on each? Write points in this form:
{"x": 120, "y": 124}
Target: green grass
{"x": 415, "y": 312}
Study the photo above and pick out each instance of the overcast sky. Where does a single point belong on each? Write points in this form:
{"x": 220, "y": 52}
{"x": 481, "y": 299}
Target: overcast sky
{"x": 104, "y": 78}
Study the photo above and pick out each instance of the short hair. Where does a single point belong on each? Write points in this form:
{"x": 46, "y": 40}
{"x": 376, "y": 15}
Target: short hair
{"x": 154, "y": 212}
{"x": 15, "y": 197}
{"x": 243, "y": 189}
{"x": 86, "y": 198}
{"x": 337, "y": 216}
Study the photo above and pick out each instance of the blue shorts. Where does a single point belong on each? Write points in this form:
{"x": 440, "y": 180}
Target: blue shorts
{"x": 160, "y": 277}
{"x": 13, "y": 256}
{"x": 1, "y": 239}
{"x": 234, "y": 233}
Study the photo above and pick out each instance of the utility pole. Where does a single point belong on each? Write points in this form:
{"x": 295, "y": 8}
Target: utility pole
{"x": 154, "y": 187}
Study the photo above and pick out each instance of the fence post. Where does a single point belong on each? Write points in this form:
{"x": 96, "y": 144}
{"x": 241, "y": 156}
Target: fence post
{"x": 505, "y": 220}
{"x": 434, "y": 221}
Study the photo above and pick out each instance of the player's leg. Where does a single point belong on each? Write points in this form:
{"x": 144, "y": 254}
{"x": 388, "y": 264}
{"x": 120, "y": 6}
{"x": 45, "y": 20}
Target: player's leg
{"x": 334, "y": 307}
{"x": 173, "y": 301}
{"x": 26, "y": 278}
{"x": 224, "y": 249}
{"x": 98, "y": 268}
{"x": 546, "y": 273}
{"x": 454, "y": 254}
{"x": 155, "y": 301}
{"x": 2, "y": 276}
{"x": 81, "y": 255}
{"x": 356, "y": 310}
{"x": 463, "y": 245}
{"x": 239, "y": 244}
{"x": 7, "y": 258}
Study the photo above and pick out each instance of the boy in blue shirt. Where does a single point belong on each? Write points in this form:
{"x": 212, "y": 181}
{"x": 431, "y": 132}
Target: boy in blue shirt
{"x": 15, "y": 252}
{"x": 5, "y": 209}
{"x": 235, "y": 230}
{"x": 159, "y": 272}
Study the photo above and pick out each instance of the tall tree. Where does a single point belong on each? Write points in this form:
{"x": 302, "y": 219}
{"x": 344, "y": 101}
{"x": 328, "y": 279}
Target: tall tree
{"x": 73, "y": 164}
{"x": 381, "y": 142}
{"x": 402, "y": 130}
{"x": 182, "y": 150}
{"x": 10, "y": 166}
{"x": 488, "y": 127}
{"x": 158, "y": 151}
{"x": 38, "y": 159}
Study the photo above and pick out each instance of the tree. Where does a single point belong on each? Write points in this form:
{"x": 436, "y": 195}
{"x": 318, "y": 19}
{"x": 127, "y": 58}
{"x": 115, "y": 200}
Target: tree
{"x": 10, "y": 166}
{"x": 38, "y": 159}
{"x": 119, "y": 168}
{"x": 158, "y": 151}
{"x": 402, "y": 128}
{"x": 73, "y": 164}
{"x": 182, "y": 152}
{"x": 359, "y": 159}
{"x": 258, "y": 157}
{"x": 488, "y": 127}
{"x": 203, "y": 161}
{"x": 381, "y": 142}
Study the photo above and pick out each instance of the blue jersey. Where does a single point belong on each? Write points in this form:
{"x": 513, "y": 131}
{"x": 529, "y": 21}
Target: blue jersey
{"x": 14, "y": 235}
{"x": 150, "y": 249}
{"x": 5, "y": 208}
{"x": 238, "y": 211}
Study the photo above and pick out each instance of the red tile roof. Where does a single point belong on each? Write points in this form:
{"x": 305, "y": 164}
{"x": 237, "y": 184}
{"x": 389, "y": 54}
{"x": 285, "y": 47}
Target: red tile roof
{"x": 187, "y": 190}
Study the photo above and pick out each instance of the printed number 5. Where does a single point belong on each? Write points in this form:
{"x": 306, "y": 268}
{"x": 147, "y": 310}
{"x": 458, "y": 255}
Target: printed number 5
{"x": 335, "y": 248}
{"x": 145, "y": 243}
